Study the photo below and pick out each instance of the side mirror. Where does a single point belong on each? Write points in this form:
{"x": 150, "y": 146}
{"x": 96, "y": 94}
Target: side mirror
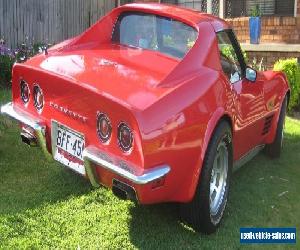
{"x": 251, "y": 74}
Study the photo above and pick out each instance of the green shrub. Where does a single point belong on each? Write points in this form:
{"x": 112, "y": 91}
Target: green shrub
{"x": 292, "y": 70}
{"x": 6, "y": 63}
{"x": 8, "y": 57}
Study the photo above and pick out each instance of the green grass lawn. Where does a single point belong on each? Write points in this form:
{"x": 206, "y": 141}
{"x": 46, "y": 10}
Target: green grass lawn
{"x": 43, "y": 205}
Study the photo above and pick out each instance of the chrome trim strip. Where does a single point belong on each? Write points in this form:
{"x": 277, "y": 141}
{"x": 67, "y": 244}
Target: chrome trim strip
{"x": 92, "y": 155}
{"x": 20, "y": 116}
{"x": 247, "y": 157}
{"x": 91, "y": 172}
{"x": 12, "y": 112}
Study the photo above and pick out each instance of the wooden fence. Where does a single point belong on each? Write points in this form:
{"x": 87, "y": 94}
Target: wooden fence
{"x": 48, "y": 21}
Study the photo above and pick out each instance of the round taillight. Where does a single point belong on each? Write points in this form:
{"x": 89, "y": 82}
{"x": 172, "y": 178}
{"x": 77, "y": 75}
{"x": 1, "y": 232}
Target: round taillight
{"x": 38, "y": 97}
{"x": 103, "y": 127}
{"x": 25, "y": 92}
{"x": 125, "y": 137}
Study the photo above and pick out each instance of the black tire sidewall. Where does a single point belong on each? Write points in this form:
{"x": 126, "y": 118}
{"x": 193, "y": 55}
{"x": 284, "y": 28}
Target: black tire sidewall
{"x": 222, "y": 133}
{"x": 279, "y": 132}
{"x": 197, "y": 212}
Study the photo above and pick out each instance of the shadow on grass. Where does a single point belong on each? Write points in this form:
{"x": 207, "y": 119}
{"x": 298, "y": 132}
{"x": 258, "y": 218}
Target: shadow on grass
{"x": 28, "y": 180}
{"x": 258, "y": 198}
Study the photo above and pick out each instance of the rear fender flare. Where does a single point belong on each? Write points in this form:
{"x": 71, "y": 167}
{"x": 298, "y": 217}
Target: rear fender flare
{"x": 285, "y": 91}
{"x": 214, "y": 120}
{"x": 271, "y": 137}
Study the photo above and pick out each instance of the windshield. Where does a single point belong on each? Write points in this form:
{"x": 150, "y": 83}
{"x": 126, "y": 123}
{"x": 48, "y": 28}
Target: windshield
{"x": 154, "y": 32}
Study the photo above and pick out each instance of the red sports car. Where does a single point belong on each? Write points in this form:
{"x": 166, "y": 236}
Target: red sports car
{"x": 155, "y": 102}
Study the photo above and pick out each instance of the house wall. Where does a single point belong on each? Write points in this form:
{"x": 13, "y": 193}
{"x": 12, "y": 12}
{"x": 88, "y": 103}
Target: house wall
{"x": 269, "y": 57}
{"x": 273, "y": 30}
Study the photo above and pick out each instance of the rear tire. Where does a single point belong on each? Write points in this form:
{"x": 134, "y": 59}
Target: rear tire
{"x": 205, "y": 212}
{"x": 274, "y": 149}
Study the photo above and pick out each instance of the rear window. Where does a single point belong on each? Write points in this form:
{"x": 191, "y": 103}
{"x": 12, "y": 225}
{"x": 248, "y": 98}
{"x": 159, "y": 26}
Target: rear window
{"x": 153, "y": 32}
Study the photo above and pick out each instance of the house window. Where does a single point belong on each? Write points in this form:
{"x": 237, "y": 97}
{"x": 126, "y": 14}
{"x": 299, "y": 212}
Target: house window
{"x": 121, "y": 2}
{"x": 236, "y": 8}
{"x": 194, "y": 4}
{"x": 200, "y": 5}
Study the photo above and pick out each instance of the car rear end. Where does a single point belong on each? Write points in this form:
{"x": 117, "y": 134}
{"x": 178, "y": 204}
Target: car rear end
{"x": 84, "y": 102}
{"x": 83, "y": 129}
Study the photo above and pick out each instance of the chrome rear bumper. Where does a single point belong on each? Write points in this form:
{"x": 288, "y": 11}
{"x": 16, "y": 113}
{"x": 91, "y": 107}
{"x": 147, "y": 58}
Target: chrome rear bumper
{"x": 92, "y": 156}
{"x": 37, "y": 125}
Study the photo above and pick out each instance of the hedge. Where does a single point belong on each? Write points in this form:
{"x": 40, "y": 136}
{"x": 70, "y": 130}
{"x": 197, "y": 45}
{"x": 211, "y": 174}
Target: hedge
{"x": 291, "y": 68}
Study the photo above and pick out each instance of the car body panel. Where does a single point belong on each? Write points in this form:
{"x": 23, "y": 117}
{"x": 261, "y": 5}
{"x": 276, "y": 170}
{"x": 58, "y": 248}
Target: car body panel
{"x": 129, "y": 67}
{"x": 173, "y": 106}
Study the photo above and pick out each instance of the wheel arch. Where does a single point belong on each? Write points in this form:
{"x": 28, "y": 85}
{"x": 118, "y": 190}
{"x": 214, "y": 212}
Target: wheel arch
{"x": 270, "y": 138}
{"x": 219, "y": 116}
{"x": 227, "y": 119}
{"x": 212, "y": 125}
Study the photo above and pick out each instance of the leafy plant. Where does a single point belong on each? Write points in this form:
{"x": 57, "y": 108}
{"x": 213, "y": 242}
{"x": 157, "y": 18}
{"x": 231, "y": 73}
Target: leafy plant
{"x": 255, "y": 11}
{"x": 168, "y": 40}
{"x": 9, "y": 56}
{"x": 292, "y": 70}
{"x": 228, "y": 51}
{"x": 190, "y": 43}
{"x": 7, "y": 60}
{"x": 26, "y": 51}
{"x": 258, "y": 65}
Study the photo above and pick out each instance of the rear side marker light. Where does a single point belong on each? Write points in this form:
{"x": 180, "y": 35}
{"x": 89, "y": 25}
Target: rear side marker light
{"x": 38, "y": 98}
{"x": 158, "y": 183}
{"x": 25, "y": 91}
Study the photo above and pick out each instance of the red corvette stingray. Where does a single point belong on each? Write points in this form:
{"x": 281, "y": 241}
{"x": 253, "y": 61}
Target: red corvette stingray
{"x": 155, "y": 102}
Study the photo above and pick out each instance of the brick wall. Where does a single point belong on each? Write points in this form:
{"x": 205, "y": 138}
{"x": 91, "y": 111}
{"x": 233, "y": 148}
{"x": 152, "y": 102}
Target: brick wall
{"x": 270, "y": 57}
{"x": 273, "y": 30}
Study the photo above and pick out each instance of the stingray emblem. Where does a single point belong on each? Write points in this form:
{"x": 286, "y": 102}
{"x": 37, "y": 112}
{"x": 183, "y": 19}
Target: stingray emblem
{"x": 271, "y": 104}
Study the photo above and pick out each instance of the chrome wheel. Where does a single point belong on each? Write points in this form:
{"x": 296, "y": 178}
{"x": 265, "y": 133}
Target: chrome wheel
{"x": 218, "y": 181}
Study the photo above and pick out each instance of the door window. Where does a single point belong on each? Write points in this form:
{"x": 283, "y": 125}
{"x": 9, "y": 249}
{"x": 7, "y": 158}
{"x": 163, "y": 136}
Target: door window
{"x": 230, "y": 60}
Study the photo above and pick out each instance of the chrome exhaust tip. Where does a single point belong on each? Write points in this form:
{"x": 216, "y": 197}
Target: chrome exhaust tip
{"x": 123, "y": 191}
{"x": 28, "y": 138}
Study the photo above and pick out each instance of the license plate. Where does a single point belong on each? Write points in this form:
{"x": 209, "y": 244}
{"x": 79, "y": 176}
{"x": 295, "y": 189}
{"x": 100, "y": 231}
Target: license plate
{"x": 68, "y": 146}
